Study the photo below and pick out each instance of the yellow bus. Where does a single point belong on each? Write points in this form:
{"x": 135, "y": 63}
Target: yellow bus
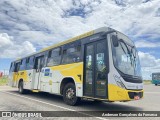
{"x": 102, "y": 64}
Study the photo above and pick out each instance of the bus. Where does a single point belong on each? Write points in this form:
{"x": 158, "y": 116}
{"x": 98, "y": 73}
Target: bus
{"x": 101, "y": 65}
{"x": 156, "y": 78}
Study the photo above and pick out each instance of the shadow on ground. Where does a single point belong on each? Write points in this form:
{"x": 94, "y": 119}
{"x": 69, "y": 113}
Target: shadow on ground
{"x": 84, "y": 105}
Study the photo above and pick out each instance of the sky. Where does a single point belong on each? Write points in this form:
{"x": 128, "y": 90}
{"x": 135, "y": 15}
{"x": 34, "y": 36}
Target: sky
{"x": 27, "y": 26}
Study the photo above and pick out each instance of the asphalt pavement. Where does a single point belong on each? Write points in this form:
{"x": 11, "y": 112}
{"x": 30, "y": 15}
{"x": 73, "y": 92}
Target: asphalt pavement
{"x": 11, "y": 100}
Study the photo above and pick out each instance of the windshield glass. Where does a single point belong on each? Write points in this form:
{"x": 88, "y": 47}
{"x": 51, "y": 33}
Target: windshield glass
{"x": 126, "y": 58}
{"x": 156, "y": 76}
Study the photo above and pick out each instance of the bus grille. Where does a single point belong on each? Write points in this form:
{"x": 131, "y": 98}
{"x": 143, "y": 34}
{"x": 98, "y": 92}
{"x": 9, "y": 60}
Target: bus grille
{"x": 132, "y": 94}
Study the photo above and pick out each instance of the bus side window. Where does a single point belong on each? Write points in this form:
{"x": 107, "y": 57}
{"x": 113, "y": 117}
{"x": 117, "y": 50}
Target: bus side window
{"x": 30, "y": 63}
{"x": 71, "y": 55}
{"x": 17, "y": 66}
{"x": 78, "y": 53}
{"x": 10, "y": 70}
{"x": 11, "y": 67}
{"x": 39, "y": 62}
{"x": 27, "y": 63}
{"x": 54, "y": 57}
{"x": 49, "y": 60}
{"x": 23, "y": 65}
{"x": 46, "y": 58}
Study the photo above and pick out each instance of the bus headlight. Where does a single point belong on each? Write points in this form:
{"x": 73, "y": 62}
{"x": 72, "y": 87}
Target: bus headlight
{"x": 119, "y": 82}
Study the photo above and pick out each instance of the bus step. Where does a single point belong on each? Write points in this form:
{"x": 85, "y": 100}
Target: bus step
{"x": 35, "y": 90}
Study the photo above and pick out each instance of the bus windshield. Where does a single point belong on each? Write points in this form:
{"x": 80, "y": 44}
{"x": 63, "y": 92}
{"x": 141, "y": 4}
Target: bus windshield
{"x": 126, "y": 58}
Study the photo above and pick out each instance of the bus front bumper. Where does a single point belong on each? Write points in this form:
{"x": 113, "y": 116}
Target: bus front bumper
{"x": 116, "y": 93}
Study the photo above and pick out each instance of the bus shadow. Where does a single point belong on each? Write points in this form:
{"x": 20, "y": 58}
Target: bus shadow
{"x": 107, "y": 106}
{"x": 84, "y": 105}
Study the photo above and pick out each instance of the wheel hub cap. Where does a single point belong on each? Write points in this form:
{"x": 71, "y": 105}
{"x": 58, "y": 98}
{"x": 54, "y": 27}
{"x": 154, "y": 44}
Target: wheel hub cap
{"x": 70, "y": 93}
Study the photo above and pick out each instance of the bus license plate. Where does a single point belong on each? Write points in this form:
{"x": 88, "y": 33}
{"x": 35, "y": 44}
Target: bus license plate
{"x": 136, "y": 97}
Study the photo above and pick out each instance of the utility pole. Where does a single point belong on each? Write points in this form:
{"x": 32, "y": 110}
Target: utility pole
{"x": 4, "y": 73}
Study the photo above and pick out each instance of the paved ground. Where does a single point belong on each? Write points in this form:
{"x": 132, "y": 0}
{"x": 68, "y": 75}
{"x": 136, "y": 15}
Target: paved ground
{"x": 11, "y": 100}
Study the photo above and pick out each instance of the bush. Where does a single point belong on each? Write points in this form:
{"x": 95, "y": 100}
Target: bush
{"x": 3, "y": 81}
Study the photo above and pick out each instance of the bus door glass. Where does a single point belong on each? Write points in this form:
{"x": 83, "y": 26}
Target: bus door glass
{"x": 15, "y": 75}
{"x": 95, "y": 69}
{"x": 39, "y": 63}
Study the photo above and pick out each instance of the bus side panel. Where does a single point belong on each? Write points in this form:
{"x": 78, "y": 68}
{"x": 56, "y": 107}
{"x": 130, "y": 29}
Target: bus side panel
{"x": 50, "y": 81}
{"x": 28, "y": 78}
{"x": 12, "y": 80}
{"x": 52, "y": 77}
{"x": 23, "y": 75}
{"x": 156, "y": 82}
{"x": 15, "y": 79}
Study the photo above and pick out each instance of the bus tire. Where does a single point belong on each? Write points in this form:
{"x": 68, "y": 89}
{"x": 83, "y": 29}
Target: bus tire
{"x": 155, "y": 84}
{"x": 21, "y": 90}
{"x": 69, "y": 95}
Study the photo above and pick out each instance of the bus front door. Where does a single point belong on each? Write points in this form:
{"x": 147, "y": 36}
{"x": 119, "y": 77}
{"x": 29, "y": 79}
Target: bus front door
{"x": 38, "y": 66}
{"x": 95, "y": 70}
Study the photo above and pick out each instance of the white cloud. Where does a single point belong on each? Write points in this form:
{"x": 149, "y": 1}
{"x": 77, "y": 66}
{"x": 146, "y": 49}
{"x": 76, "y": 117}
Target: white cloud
{"x": 11, "y": 49}
{"x": 149, "y": 64}
{"x": 5, "y": 40}
{"x": 146, "y": 44}
{"x": 36, "y": 24}
{"x": 51, "y": 21}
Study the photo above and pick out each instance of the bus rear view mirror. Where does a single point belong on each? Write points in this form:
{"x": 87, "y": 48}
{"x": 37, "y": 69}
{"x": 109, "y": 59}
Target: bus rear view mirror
{"x": 115, "y": 41}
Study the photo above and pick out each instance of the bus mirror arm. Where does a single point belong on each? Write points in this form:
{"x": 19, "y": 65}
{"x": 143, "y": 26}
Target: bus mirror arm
{"x": 115, "y": 41}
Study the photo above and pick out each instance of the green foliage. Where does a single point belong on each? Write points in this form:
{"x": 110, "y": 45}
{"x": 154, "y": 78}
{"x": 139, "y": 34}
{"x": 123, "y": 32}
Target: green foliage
{"x": 147, "y": 81}
{"x": 3, "y": 81}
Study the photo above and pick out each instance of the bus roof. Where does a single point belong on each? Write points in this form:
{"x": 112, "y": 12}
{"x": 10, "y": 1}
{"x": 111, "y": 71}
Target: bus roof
{"x": 156, "y": 73}
{"x": 102, "y": 29}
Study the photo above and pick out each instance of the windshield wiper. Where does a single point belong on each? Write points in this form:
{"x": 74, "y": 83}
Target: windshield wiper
{"x": 123, "y": 48}
{"x": 128, "y": 51}
{"x": 134, "y": 57}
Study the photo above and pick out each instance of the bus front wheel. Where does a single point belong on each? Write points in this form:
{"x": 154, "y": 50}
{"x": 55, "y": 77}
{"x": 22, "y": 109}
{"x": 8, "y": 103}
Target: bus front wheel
{"x": 69, "y": 95}
{"x": 155, "y": 84}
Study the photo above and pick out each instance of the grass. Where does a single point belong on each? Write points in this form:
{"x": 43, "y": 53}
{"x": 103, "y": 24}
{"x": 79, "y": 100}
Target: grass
{"x": 3, "y": 81}
{"x": 147, "y": 81}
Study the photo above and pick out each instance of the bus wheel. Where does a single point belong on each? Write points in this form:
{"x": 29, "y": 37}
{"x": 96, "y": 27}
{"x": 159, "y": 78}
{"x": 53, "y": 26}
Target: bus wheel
{"x": 20, "y": 89}
{"x": 69, "y": 95}
{"x": 155, "y": 84}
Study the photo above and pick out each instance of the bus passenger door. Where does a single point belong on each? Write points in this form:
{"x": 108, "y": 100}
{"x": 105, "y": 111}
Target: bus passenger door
{"x": 39, "y": 61}
{"x": 95, "y": 70}
{"x": 15, "y": 74}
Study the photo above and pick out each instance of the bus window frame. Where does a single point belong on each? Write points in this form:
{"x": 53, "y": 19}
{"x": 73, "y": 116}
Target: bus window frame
{"x": 29, "y": 62}
{"x": 49, "y": 55}
{"x": 39, "y": 55}
{"x": 23, "y": 64}
{"x": 75, "y": 45}
{"x": 17, "y": 67}
{"x": 12, "y": 67}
